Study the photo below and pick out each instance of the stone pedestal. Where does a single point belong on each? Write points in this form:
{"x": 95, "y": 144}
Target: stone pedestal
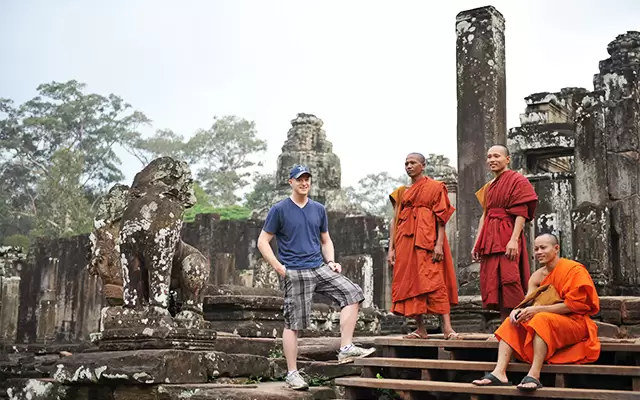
{"x": 480, "y": 56}
{"x": 152, "y": 328}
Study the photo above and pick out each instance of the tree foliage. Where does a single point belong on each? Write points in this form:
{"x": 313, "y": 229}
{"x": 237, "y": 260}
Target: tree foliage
{"x": 58, "y": 153}
{"x": 263, "y": 193}
{"x": 203, "y": 206}
{"x": 222, "y": 155}
{"x": 372, "y": 192}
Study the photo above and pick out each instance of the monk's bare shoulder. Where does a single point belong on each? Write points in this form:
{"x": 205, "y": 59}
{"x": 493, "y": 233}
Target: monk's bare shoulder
{"x": 538, "y": 276}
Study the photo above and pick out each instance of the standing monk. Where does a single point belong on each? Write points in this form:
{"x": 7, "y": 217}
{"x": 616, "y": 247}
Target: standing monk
{"x": 508, "y": 202}
{"x": 558, "y": 330}
{"x": 424, "y": 281}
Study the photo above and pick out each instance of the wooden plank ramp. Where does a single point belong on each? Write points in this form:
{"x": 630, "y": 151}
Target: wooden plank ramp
{"x": 629, "y": 346}
{"x": 454, "y": 365}
{"x": 454, "y": 362}
{"x": 467, "y": 388}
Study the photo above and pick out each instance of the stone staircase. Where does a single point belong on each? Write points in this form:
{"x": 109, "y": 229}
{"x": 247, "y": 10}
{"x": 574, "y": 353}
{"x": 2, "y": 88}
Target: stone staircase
{"x": 415, "y": 369}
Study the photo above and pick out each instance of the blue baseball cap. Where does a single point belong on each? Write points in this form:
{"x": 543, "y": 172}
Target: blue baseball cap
{"x": 298, "y": 171}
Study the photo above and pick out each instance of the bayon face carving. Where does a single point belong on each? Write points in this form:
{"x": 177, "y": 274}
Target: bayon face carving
{"x": 139, "y": 248}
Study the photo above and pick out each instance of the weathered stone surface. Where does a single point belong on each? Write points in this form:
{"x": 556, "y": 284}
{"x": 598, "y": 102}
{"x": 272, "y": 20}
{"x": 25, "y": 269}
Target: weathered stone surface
{"x": 592, "y": 232}
{"x": 134, "y": 367}
{"x": 623, "y": 174}
{"x": 36, "y": 389}
{"x": 630, "y": 311}
{"x": 152, "y": 327}
{"x": 481, "y": 89}
{"x": 318, "y": 369}
{"x": 608, "y": 330}
{"x": 590, "y": 152}
{"x": 152, "y": 252}
{"x": 11, "y": 261}
{"x": 469, "y": 279}
{"x": 610, "y": 310}
{"x": 553, "y": 213}
{"x": 625, "y": 215}
{"x": 232, "y": 365}
{"x": 105, "y": 251}
{"x": 261, "y": 391}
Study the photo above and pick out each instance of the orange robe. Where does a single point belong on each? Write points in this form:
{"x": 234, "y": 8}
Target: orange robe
{"x": 570, "y": 338}
{"x": 421, "y": 286}
{"x": 503, "y": 281}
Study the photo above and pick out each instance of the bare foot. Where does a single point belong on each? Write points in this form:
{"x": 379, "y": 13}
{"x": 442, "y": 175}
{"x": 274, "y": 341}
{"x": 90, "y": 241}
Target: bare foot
{"x": 417, "y": 335}
{"x": 448, "y": 335}
{"x": 490, "y": 379}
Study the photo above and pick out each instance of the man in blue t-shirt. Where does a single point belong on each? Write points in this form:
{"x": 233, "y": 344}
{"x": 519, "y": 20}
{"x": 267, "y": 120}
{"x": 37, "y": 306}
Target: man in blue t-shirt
{"x": 306, "y": 264}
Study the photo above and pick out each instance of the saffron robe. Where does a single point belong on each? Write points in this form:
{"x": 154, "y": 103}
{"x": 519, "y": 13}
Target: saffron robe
{"x": 421, "y": 286}
{"x": 503, "y": 281}
{"x": 570, "y": 338}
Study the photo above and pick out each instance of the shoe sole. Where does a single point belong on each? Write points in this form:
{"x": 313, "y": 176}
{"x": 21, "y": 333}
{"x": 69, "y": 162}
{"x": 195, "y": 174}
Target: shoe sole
{"x": 299, "y": 389}
{"x": 350, "y": 359}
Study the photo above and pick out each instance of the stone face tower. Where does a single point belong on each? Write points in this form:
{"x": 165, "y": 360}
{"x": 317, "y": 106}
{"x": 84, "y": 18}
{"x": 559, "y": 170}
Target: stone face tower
{"x": 307, "y": 144}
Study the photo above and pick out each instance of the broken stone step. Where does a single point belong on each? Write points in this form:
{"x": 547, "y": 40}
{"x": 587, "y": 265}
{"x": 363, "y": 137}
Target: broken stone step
{"x": 260, "y": 391}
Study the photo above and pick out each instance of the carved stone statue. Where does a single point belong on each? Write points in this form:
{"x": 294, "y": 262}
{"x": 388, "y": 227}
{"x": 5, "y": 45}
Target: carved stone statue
{"x": 105, "y": 254}
{"x": 136, "y": 246}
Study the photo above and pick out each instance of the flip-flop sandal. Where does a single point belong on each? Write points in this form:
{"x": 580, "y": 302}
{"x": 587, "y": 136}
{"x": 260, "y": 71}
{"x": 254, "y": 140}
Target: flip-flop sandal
{"x": 414, "y": 335}
{"x": 494, "y": 381}
{"x": 529, "y": 379}
{"x": 454, "y": 336}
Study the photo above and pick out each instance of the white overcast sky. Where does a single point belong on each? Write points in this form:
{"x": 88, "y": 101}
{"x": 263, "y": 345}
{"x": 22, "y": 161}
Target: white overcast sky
{"x": 381, "y": 74}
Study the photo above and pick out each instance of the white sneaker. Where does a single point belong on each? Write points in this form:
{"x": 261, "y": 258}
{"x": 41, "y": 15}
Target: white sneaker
{"x": 296, "y": 382}
{"x": 353, "y": 353}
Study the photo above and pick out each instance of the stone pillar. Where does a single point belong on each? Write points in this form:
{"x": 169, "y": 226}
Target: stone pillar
{"x": 619, "y": 81}
{"x": 481, "y": 87}
{"x": 11, "y": 259}
{"x": 46, "y": 331}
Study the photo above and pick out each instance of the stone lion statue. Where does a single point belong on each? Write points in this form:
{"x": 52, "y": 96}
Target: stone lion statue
{"x": 149, "y": 253}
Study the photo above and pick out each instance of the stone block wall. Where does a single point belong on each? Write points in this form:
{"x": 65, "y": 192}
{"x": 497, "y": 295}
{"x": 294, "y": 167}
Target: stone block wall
{"x": 59, "y": 301}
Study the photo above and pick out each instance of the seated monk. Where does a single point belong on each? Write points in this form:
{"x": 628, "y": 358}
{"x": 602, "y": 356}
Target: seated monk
{"x": 552, "y": 324}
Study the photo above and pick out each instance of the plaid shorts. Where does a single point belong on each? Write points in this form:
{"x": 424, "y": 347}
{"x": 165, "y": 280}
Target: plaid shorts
{"x": 299, "y": 286}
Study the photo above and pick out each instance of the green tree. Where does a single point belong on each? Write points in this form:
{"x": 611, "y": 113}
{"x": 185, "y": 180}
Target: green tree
{"x": 203, "y": 206}
{"x": 58, "y": 150}
{"x": 263, "y": 193}
{"x": 222, "y": 155}
{"x": 372, "y": 192}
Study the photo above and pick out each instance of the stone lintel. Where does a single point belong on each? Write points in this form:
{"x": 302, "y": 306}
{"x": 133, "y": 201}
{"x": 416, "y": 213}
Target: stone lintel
{"x": 541, "y": 138}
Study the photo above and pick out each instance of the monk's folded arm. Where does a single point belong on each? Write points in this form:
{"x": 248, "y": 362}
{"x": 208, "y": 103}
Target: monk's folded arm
{"x": 559, "y": 308}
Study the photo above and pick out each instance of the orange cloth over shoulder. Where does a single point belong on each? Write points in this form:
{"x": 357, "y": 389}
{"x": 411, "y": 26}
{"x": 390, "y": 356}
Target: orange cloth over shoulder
{"x": 421, "y": 286}
{"x": 570, "y": 338}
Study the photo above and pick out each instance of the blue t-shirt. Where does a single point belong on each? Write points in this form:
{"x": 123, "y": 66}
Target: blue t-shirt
{"x": 297, "y": 232}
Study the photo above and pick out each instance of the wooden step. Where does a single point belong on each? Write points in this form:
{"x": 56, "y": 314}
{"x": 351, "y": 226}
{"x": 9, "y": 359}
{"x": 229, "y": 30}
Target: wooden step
{"x": 452, "y": 365}
{"x": 455, "y": 387}
{"x": 622, "y": 346}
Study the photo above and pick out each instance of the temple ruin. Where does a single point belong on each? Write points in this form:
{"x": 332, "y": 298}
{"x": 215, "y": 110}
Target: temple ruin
{"x": 580, "y": 149}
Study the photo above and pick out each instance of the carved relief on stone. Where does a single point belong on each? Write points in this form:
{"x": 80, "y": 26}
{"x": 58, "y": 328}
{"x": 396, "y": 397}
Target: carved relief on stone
{"x": 105, "y": 253}
{"x": 439, "y": 168}
{"x": 136, "y": 247}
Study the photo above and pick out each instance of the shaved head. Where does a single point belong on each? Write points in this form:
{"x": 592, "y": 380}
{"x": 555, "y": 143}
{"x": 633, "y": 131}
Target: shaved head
{"x": 419, "y": 156}
{"x": 549, "y": 237}
{"x": 501, "y": 148}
